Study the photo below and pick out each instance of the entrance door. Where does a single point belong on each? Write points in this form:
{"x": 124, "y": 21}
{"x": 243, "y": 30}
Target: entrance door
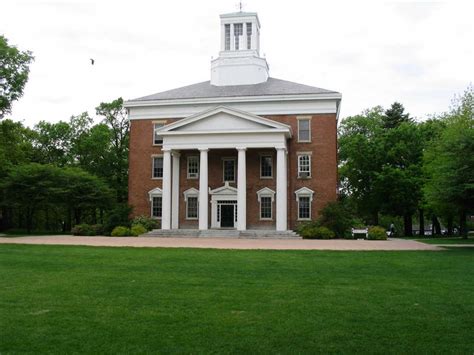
{"x": 227, "y": 216}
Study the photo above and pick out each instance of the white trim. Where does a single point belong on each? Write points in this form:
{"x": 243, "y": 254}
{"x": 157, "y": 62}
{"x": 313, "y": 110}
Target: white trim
{"x": 224, "y": 159}
{"x": 156, "y": 192}
{"x": 304, "y": 118}
{"x": 261, "y": 155}
{"x": 273, "y": 125}
{"x": 215, "y": 100}
{"x": 298, "y": 155}
{"x": 187, "y": 167}
{"x": 161, "y": 122}
{"x": 304, "y": 192}
{"x": 153, "y": 156}
{"x": 265, "y": 192}
{"x": 192, "y": 192}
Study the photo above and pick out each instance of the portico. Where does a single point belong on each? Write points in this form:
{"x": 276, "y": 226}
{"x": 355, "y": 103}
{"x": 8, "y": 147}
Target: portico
{"x": 238, "y": 132}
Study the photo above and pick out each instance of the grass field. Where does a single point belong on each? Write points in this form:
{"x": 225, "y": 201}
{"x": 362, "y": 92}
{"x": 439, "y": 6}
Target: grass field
{"x": 62, "y": 299}
{"x": 447, "y": 240}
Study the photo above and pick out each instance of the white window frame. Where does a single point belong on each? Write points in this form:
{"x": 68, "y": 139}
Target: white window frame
{"x": 161, "y": 123}
{"x": 304, "y": 118}
{"x": 298, "y": 155}
{"x": 261, "y": 159}
{"x": 153, "y": 166}
{"x": 157, "y": 192}
{"x": 265, "y": 192}
{"x": 304, "y": 192}
{"x": 189, "y": 158}
{"x": 223, "y": 169}
{"x": 194, "y": 193}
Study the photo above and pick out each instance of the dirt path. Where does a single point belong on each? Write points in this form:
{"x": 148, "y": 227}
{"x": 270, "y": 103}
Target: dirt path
{"x": 224, "y": 243}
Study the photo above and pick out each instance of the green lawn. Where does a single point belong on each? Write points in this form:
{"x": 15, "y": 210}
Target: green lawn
{"x": 447, "y": 240}
{"x": 64, "y": 299}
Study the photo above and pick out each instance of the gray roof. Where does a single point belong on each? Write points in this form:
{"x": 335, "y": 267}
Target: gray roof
{"x": 205, "y": 90}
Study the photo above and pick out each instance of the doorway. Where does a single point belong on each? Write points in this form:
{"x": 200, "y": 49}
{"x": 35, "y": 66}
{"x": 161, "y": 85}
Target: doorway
{"x": 227, "y": 216}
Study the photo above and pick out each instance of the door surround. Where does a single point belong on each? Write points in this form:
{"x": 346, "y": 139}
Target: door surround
{"x": 222, "y": 195}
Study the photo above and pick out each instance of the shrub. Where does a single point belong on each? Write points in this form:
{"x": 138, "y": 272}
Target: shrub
{"x": 82, "y": 229}
{"x": 337, "y": 217}
{"x": 377, "y": 233}
{"x": 312, "y": 230}
{"x": 138, "y": 229}
{"x": 323, "y": 233}
{"x": 120, "y": 231}
{"x": 98, "y": 229}
{"x": 146, "y": 222}
{"x": 118, "y": 216}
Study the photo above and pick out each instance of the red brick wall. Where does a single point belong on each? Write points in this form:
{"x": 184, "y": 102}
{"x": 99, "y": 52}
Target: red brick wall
{"x": 323, "y": 168}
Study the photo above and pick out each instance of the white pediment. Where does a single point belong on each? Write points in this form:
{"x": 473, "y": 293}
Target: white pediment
{"x": 224, "y": 190}
{"x": 224, "y": 119}
{"x": 156, "y": 192}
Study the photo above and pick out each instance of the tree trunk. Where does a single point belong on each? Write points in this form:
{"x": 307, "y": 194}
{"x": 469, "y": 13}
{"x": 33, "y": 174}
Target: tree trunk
{"x": 407, "y": 221}
{"x": 450, "y": 225}
{"x": 463, "y": 224}
{"x": 422, "y": 222}
{"x": 436, "y": 229}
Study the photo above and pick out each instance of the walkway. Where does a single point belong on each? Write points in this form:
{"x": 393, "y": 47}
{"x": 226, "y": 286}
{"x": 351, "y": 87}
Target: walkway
{"x": 224, "y": 243}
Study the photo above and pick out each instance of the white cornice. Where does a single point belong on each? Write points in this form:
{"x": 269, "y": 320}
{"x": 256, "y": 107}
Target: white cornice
{"x": 218, "y": 100}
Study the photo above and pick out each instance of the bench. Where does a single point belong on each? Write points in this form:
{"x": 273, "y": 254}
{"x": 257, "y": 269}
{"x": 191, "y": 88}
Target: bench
{"x": 364, "y": 231}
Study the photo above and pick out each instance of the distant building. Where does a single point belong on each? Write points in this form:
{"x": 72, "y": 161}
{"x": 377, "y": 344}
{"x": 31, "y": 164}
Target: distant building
{"x": 243, "y": 150}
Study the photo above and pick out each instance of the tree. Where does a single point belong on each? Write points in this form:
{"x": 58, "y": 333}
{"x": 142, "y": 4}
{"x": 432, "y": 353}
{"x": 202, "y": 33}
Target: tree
{"x": 361, "y": 155}
{"x": 449, "y": 161}
{"x": 115, "y": 117}
{"x": 395, "y": 115}
{"x": 14, "y": 70}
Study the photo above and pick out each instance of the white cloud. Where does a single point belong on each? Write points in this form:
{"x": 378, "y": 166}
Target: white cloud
{"x": 420, "y": 54}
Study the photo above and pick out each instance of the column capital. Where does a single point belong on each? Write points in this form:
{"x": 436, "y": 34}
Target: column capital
{"x": 241, "y": 148}
{"x": 175, "y": 153}
{"x": 203, "y": 149}
{"x": 166, "y": 150}
{"x": 281, "y": 148}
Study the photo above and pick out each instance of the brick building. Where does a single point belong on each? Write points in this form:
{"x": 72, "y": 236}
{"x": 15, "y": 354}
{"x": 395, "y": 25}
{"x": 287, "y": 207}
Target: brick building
{"x": 243, "y": 150}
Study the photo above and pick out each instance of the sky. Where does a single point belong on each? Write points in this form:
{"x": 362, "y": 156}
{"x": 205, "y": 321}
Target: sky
{"x": 418, "y": 53}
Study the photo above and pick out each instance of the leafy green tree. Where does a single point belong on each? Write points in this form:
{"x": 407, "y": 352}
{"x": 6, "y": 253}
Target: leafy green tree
{"x": 360, "y": 156}
{"x": 114, "y": 115}
{"x": 14, "y": 70}
{"x": 449, "y": 161}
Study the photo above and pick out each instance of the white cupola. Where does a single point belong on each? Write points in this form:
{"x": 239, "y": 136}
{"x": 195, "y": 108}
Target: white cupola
{"x": 239, "y": 61}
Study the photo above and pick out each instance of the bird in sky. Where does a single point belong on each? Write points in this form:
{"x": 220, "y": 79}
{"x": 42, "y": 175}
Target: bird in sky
{"x": 92, "y": 61}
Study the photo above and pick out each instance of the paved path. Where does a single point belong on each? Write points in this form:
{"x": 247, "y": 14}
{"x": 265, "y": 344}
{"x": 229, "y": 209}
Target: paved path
{"x": 225, "y": 243}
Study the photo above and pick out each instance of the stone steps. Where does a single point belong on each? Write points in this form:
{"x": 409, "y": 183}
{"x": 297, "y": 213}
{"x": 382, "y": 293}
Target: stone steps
{"x": 222, "y": 233}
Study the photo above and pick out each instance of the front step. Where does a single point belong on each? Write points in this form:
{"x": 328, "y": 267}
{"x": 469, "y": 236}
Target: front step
{"x": 223, "y": 233}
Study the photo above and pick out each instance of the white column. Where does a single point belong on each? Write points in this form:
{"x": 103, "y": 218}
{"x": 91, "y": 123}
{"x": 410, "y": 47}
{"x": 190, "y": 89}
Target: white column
{"x": 203, "y": 190}
{"x": 175, "y": 192}
{"x": 281, "y": 190}
{"x": 166, "y": 198}
{"x": 222, "y": 37}
{"x": 241, "y": 190}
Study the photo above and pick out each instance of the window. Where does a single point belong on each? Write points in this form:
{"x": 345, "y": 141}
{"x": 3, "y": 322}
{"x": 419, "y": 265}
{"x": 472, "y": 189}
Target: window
{"x": 192, "y": 208}
{"x": 265, "y": 207}
{"x": 193, "y": 167}
{"x": 304, "y": 197}
{"x": 191, "y": 197}
{"x": 304, "y": 131}
{"x": 156, "y": 206}
{"x": 304, "y": 208}
{"x": 266, "y": 166}
{"x": 304, "y": 166}
{"x": 266, "y": 197}
{"x": 249, "y": 35}
{"x": 238, "y": 31}
{"x": 227, "y": 37}
{"x": 157, "y": 168}
{"x": 229, "y": 169}
{"x": 157, "y": 139}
